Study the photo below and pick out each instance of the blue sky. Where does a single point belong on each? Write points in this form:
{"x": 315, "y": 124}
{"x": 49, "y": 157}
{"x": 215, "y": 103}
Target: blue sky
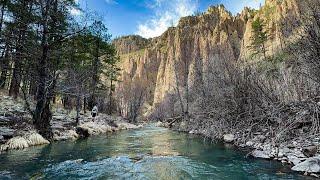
{"x": 150, "y": 18}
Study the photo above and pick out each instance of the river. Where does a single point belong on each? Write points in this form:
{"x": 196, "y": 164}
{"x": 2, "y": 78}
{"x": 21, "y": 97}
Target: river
{"x": 147, "y": 153}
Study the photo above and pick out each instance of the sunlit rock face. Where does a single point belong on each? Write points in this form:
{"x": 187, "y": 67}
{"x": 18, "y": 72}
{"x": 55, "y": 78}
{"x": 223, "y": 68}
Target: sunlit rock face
{"x": 201, "y": 41}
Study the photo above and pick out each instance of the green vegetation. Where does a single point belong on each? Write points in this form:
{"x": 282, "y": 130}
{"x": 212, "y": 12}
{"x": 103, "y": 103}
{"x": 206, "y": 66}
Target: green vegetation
{"x": 53, "y": 56}
{"x": 260, "y": 36}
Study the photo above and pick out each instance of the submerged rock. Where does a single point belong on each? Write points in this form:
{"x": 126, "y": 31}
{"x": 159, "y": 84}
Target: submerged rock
{"x": 228, "y": 138}
{"x": 126, "y": 126}
{"x": 311, "y": 165}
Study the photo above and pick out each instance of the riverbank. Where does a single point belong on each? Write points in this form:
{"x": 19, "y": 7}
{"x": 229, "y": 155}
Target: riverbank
{"x": 299, "y": 149}
{"x": 17, "y": 131}
{"x": 146, "y": 153}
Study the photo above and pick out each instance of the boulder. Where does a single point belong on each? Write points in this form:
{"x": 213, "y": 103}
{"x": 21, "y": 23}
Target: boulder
{"x": 65, "y": 135}
{"x": 95, "y": 128}
{"x": 260, "y": 154}
{"x": 193, "y": 132}
{"x": 228, "y": 138}
{"x": 249, "y": 143}
{"x": 311, "y": 165}
{"x": 159, "y": 124}
{"x": 83, "y": 132}
{"x": 294, "y": 160}
{"x": 310, "y": 151}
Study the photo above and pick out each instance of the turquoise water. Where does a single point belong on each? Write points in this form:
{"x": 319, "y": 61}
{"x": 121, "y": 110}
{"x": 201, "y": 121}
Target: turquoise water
{"x": 147, "y": 153}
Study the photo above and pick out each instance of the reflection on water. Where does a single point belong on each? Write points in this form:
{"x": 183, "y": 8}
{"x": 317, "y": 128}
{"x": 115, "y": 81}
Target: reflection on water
{"x": 148, "y": 153}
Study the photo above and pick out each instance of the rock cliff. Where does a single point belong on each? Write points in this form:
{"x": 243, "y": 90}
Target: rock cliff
{"x": 199, "y": 43}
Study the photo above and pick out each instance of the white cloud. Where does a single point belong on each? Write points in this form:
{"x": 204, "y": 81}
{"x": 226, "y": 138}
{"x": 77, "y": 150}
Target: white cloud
{"x": 75, "y": 11}
{"x": 111, "y": 2}
{"x": 167, "y": 13}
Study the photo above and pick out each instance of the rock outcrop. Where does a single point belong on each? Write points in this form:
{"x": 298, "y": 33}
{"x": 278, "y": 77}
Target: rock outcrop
{"x": 202, "y": 42}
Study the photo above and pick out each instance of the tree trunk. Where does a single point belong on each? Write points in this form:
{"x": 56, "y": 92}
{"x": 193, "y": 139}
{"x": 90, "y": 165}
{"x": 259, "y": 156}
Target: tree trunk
{"x": 95, "y": 77}
{"x": 110, "y": 97}
{"x": 33, "y": 87}
{"x": 84, "y": 105}
{"x": 264, "y": 51}
{"x": 16, "y": 79}
{"x": 78, "y": 107}
{"x": 19, "y": 54}
{"x": 43, "y": 123}
{"x": 42, "y": 115}
{"x": 4, "y": 68}
{"x": 2, "y": 15}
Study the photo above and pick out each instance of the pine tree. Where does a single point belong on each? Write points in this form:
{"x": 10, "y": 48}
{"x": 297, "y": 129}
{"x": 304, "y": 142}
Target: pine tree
{"x": 260, "y": 36}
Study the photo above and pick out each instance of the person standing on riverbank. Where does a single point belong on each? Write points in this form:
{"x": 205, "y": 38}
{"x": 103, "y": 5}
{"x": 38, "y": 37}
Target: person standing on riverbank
{"x": 94, "y": 112}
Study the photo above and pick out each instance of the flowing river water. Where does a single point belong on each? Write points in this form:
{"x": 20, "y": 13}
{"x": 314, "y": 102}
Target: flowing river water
{"x": 147, "y": 153}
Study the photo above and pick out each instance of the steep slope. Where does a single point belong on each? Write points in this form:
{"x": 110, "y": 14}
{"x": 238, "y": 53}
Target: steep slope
{"x": 200, "y": 43}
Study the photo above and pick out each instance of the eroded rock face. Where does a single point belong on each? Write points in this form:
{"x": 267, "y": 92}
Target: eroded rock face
{"x": 202, "y": 42}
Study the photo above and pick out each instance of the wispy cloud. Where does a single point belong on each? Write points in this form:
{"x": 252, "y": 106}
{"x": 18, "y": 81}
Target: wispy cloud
{"x": 166, "y": 14}
{"x": 111, "y": 1}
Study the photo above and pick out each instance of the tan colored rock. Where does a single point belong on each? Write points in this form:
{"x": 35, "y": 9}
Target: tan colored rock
{"x": 203, "y": 41}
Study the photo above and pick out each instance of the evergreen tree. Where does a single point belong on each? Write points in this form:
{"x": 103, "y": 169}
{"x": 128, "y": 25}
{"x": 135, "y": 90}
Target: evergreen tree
{"x": 260, "y": 36}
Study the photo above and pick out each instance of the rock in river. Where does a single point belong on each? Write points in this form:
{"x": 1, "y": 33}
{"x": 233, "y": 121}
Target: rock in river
{"x": 260, "y": 154}
{"x": 311, "y": 165}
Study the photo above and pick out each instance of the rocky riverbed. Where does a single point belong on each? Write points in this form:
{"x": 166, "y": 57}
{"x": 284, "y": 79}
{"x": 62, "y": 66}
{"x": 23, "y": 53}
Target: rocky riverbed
{"x": 17, "y": 131}
{"x": 301, "y": 153}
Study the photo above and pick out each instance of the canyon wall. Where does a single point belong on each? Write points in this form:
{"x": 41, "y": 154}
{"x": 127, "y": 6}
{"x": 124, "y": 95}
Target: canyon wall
{"x": 201, "y": 42}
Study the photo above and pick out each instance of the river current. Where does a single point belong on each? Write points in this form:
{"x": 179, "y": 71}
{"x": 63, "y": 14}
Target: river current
{"x": 147, "y": 153}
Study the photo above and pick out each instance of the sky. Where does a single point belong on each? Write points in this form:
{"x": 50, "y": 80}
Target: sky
{"x": 150, "y": 18}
